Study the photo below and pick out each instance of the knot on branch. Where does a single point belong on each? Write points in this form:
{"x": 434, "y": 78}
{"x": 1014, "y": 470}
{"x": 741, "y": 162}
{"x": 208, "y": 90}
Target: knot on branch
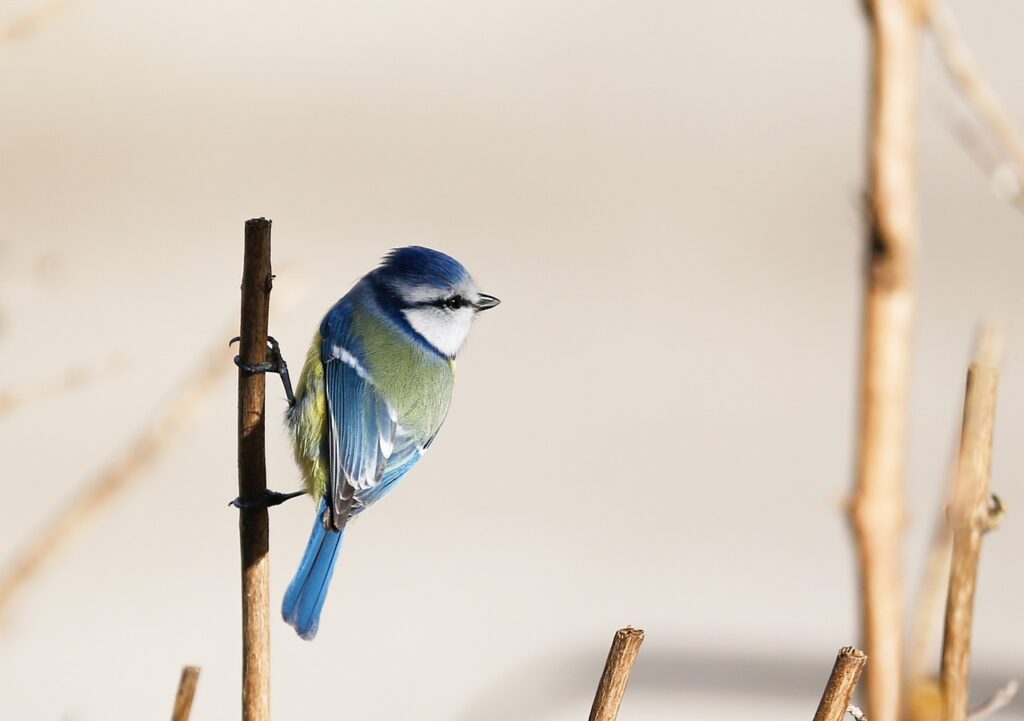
{"x": 994, "y": 515}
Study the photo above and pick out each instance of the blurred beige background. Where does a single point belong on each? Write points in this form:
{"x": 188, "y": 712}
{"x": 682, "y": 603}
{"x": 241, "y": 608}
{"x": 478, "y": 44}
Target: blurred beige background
{"x": 655, "y": 428}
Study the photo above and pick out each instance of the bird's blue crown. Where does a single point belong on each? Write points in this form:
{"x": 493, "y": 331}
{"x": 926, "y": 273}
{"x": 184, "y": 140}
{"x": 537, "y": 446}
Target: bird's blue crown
{"x": 416, "y": 265}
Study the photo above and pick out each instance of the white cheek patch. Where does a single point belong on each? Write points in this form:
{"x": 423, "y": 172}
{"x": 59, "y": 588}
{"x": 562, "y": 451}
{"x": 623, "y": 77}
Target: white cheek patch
{"x": 443, "y": 329}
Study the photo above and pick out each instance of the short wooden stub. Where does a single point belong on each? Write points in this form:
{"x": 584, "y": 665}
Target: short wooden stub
{"x": 841, "y": 683}
{"x": 617, "y": 668}
{"x": 186, "y": 692}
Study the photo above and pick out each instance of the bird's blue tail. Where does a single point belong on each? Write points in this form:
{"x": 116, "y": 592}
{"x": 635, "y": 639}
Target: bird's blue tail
{"x": 307, "y": 591}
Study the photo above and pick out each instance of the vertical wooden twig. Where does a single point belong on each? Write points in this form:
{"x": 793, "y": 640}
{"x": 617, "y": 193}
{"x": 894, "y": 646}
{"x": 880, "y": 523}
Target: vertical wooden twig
{"x": 841, "y": 683}
{"x": 612, "y": 686}
{"x": 968, "y": 517}
{"x": 253, "y": 524}
{"x": 922, "y": 680}
{"x": 877, "y": 510}
{"x": 186, "y": 692}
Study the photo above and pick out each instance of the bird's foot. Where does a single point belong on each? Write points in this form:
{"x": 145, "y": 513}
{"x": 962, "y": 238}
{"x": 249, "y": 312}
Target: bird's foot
{"x": 267, "y": 499}
{"x": 275, "y": 364}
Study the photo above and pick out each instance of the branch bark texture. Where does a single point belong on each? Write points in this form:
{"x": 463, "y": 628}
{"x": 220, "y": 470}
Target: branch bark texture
{"x": 617, "y": 668}
{"x": 253, "y": 524}
{"x": 877, "y": 511}
{"x": 186, "y": 692}
{"x": 841, "y": 684}
{"x": 968, "y": 516}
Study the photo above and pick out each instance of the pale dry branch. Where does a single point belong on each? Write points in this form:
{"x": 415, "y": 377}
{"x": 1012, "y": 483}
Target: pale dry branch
{"x": 969, "y": 513}
{"x": 979, "y": 94}
{"x": 124, "y": 471}
{"x": 856, "y": 713}
{"x": 72, "y": 379}
{"x": 877, "y": 510}
{"x": 116, "y": 477}
{"x": 617, "y": 668}
{"x": 24, "y": 26}
{"x": 186, "y": 692}
{"x": 996, "y": 702}
{"x": 835, "y": 700}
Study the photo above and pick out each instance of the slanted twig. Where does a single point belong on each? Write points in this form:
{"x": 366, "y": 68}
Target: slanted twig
{"x": 28, "y": 24}
{"x": 997, "y": 702}
{"x": 835, "y": 700}
{"x": 621, "y": 656}
{"x": 253, "y": 523}
{"x": 127, "y": 468}
{"x": 11, "y": 399}
{"x": 186, "y": 692}
{"x": 877, "y": 509}
{"x": 968, "y": 517}
{"x": 963, "y": 68}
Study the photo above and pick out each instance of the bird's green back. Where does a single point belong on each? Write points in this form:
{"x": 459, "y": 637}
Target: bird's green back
{"x": 416, "y": 382}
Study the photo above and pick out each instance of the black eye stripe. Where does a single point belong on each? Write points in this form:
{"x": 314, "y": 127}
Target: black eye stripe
{"x": 451, "y": 303}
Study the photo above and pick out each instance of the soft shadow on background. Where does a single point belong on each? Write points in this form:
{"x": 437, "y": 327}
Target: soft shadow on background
{"x": 655, "y": 428}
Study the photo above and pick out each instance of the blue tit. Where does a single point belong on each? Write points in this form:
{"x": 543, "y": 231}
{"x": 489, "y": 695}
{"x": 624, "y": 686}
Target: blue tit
{"x": 371, "y": 397}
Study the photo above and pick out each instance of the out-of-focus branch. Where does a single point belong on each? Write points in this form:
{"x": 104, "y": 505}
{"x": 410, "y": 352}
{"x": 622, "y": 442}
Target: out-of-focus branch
{"x": 126, "y": 469}
{"x": 990, "y": 111}
{"x": 989, "y": 348}
{"x": 617, "y": 668}
{"x": 997, "y": 702}
{"x": 28, "y": 24}
{"x": 119, "y": 475}
{"x": 969, "y": 520}
{"x": 72, "y": 379}
{"x": 877, "y": 509}
{"x": 186, "y": 692}
{"x": 835, "y": 700}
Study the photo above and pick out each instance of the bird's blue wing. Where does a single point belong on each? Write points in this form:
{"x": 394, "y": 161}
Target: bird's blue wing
{"x": 362, "y": 430}
{"x": 407, "y": 452}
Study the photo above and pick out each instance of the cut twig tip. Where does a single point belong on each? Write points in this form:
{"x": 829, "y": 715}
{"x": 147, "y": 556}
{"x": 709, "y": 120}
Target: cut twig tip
{"x": 621, "y": 656}
{"x": 186, "y": 693}
{"x": 835, "y": 699}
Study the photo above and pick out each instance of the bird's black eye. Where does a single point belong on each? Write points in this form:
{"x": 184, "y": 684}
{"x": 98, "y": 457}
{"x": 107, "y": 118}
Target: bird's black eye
{"x": 455, "y": 302}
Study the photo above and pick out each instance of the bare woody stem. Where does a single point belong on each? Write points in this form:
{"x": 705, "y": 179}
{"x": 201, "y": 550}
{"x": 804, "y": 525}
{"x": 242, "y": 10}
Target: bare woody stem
{"x": 968, "y": 516}
{"x": 841, "y": 684}
{"x": 877, "y": 510}
{"x": 989, "y": 348}
{"x": 253, "y": 524}
{"x": 963, "y": 68}
{"x": 617, "y": 668}
{"x": 186, "y": 692}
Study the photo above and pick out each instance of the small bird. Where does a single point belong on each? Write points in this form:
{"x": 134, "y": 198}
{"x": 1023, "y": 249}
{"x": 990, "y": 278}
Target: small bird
{"x": 371, "y": 397}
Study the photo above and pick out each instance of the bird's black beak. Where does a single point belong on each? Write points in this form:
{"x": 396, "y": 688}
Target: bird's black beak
{"x": 485, "y": 302}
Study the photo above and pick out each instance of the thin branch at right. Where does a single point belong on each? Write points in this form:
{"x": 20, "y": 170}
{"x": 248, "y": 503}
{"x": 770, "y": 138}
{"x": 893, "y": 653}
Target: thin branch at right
{"x": 922, "y": 684}
{"x": 987, "y": 107}
{"x": 969, "y": 520}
